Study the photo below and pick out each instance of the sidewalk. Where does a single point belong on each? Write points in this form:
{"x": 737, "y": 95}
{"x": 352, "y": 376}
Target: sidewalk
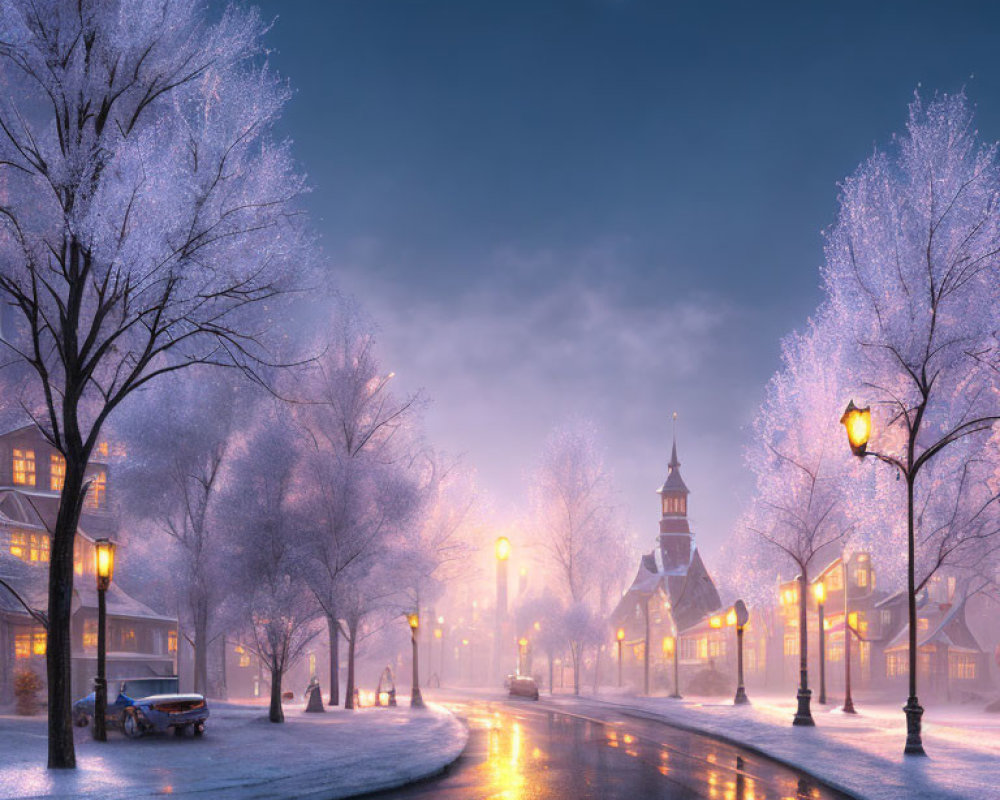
{"x": 861, "y": 754}
{"x": 242, "y": 755}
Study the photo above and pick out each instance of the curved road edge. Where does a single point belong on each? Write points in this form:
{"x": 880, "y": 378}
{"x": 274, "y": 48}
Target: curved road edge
{"x": 652, "y": 716}
{"x": 457, "y": 738}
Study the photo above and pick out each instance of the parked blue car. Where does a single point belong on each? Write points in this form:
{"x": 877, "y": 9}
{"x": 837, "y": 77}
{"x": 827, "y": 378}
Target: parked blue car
{"x": 140, "y": 705}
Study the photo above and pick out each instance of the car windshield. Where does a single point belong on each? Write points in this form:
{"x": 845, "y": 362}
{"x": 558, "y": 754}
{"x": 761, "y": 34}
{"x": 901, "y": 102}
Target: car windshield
{"x": 146, "y": 687}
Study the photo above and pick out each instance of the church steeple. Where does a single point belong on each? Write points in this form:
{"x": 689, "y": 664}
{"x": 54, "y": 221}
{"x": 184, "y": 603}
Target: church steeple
{"x": 676, "y": 543}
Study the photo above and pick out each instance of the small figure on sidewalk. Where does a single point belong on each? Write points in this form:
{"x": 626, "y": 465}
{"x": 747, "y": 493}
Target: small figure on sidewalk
{"x": 314, "y": 697}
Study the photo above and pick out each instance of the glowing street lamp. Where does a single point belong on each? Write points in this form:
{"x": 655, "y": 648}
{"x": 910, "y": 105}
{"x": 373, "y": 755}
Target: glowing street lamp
{"x": 620, "y": 636}
{"x": 105, "y": 570}
{"x": 819, "y": 592}
{"x": 740, "y": 617}
{"x": 858, "y": 422}
{"x": 416, "y": 699}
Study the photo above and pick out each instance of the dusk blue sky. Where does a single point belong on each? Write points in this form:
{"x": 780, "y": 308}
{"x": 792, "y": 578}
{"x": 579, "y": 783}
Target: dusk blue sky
{"x": 604, "y": 209}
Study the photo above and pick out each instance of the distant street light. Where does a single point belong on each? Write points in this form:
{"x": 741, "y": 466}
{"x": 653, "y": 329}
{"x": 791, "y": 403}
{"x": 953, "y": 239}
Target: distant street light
{"x": 857, "y": 421}
{"x": 740, "y": 617}
{"x": 819, "y": 592}
{"x": 620, "y": 636}
{"x": 416, "y": 699}
{"x": 105, "y": 569}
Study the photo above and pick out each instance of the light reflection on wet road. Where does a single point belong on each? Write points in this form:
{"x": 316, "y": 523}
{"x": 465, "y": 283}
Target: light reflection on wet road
{"x": 522, "y": 751}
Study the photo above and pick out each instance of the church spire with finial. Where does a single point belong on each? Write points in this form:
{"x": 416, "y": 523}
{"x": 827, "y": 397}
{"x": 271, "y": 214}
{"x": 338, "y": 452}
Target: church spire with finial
{"x": 676, "y": 545}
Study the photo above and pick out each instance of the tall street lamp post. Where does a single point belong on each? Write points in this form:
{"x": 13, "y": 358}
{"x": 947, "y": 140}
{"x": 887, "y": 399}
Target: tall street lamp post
{"x": 105, "y": 570}
{"x": 819, "y": 592}
{"x": 740, "y": 617}
{"x": 620, "y": 636}
{"x": 848, "y": 702}
{"x": 499, "y": 639}
{"x": 858, "y": 422}
{"x": 416, "y": 699}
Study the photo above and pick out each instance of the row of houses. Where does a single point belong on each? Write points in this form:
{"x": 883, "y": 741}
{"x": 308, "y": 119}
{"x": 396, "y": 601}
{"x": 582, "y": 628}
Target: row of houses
{"x": 673, "y": 607}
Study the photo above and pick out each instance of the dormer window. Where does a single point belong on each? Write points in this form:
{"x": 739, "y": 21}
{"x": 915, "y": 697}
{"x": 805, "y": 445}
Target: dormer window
{"x": 24, "y": 466}
{"x": 57, "y": 472}
{"x": 97, "y": 495}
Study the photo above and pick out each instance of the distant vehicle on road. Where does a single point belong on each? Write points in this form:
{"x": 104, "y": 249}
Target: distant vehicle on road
{"x": 522, "y": 686}
{"x": 141, "y": 705}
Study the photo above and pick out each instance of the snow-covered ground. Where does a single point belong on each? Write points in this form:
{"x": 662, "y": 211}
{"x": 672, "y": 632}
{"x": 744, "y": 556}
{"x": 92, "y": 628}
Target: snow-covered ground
{"x": 861, "y": 754}
{"x": 242, "y": 755}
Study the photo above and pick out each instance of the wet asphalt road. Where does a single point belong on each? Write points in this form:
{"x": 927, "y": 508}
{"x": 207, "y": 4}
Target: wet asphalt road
{"x": 521, "y": 750}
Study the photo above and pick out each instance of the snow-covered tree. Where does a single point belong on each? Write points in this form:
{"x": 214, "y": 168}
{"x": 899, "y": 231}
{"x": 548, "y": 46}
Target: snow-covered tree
{"x": 580, "y": 531}
{"x": 359, "y": 462}
{"x": 145, "y": 216}
{"x": 261, "y": 508}
{"x": 799, "y": 461}
{"x": 179, "y": 443}
{"x": 912, "y": 278}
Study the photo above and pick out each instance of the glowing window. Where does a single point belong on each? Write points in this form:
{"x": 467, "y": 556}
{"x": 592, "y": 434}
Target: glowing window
{"x": 19, "y": 545}
{"x": 703, "y": 648}
{"x": 172, "y": 642}
{"x": 38, "y": 643}
{"x": 97, "y": 494}
{"x": 791, "y": 645}
{"x": 90, "y": 633}
{"x": 245, "y": 660}
{"x": 24, "y": 466}
{"x": 57, "y": 472}
{"x": 39, "y": 549}
{"x": 923, "y": 624}
{"x": 861, "y": 577}
{"x": 102, "y": 448}
{"x": 896, "y": 664}
{"x": 962, "y": 666}
{"x": 22, "y": 645}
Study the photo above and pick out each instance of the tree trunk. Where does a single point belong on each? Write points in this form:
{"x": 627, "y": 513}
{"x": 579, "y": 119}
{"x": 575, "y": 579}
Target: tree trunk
{"x": 276, "y": 712}
{"x": 334, "y": 631}
{"x": 57, "y": 652}
{"x": 574, "y": 649}
{"x": 201, "y": 646}
{"x": 223, "y": 678}
{"x": 351, "y": 636}
{"x": 550, "y": 673}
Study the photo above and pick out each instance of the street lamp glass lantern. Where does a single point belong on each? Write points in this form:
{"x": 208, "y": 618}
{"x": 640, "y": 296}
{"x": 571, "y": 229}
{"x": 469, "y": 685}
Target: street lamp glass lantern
{"x": 414, "y": 620}
{"x": 105, "y": 566}
{"x": 503, "y": 548}
{"x": 819, "y": 591}
{"x": 858, "y": 422}
{"x": 620, "y": 634}
{"x": 731, "y": 617}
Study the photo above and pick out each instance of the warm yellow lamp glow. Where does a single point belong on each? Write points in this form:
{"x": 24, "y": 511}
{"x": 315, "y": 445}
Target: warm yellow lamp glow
{"x": 104, "y": 550}
{"x": 523, "y": 642}
{"x": 715, "y": 622}
{"x": 731, "y": 617}
{"x": 668, "y": 645}
{"x": 537, "y": 626}
{"x": 437, "y": 633}
{"x": 858, "y": 422}
{"x": 503, "y": 548}
{"x": 621, "y": 634}
{"x": 819, "y": 592}
{"x": 414, "y": 620}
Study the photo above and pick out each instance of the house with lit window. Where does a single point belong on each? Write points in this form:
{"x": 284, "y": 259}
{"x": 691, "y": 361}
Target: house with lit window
{"x": 949, "y": 661}
{"x": 140, "y": 641}
{"x": 672, "y": 601}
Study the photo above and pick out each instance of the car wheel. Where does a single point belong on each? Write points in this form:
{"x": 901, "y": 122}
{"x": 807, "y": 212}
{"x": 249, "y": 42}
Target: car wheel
{"x": 131, "y": 725}
{"x": 199, "y": 729}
